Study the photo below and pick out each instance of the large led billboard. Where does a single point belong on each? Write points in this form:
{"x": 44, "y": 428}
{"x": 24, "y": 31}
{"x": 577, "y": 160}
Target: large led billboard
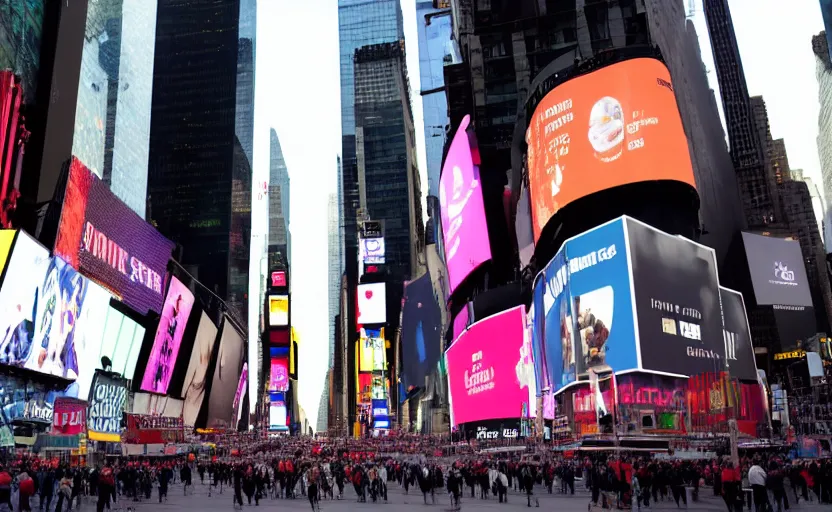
{"x": 778, "y": 272}
{"x": 51, "y": 317}
{"x": 630, "y": 297}
{"x": 107, "y": 241}
{"x": 462, "y": 210}
{"x": 169, "y": 333}
{"x": 121, "y": 342}
{"x": 372, "y": 304}
{"x": 490, "y": 370}
{"x": 278, "y": 416}
{"x": 193, "y": 390}
{"x": 278, "y": 369}
{"x": 611, "y": 127}
{"x": 108, "y": 395}
{"x": 372, "y": 250}
{"x": 371, "y": 352}
{"x": 278, "y": 310}
{"x": 226, "y": 378}
{"x": 421, "y": 331}
{"x": 739, "y": 351}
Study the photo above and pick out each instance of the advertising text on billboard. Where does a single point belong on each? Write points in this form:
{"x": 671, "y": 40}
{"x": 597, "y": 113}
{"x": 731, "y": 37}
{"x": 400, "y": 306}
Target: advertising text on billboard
{"x": 778, "y": 273}
{"x": 106, "y": 405}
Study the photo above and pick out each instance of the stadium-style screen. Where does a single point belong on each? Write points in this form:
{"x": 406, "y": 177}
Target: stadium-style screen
{"x": 226, "y": 378}
{"x": 169, "y": 333}
{"x": 491, "y": 377}
{"x": 193, "y": 389}
{"x": 608, "y": 128}
{"x": 278, "y": 310}
{"x": 106, "y": 240}
{"x": 421, "y": 331}
{"x": 462, "y": 210}
{"x": 778, "y": 273}
{"x": 51, "y": 317}
{"x": 372, "y": 304}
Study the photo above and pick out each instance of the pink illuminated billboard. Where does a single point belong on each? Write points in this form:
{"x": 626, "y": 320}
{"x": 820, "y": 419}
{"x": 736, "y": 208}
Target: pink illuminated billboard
{"x": 175, "y": 313}
{"x": 465, "y": 231}
{"x": 490, "y": 370}
{"x": 279, "y": 374}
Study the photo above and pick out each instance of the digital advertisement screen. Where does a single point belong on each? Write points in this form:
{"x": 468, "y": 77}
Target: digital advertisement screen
{"x": 372, "y": 250}
{"x": 277, "y": 412}
{"x": 279, "y": 369}
{"x": 676, "y": 291}
{"x": 51, "y": 317}
{"x": 460, "y": 321}
{"x": 587, "y": 307}
{"x": 421, "y": 334}
{"x": 169, "y": 333}
{"x": 738, "y": 351}
{"x": 193, "y": 390}
{"x": 795, "y": 325}
{"x": 279, "y": 337}
{"x": 226, "y": 378}
{"x": 278, "y": 310}
{"x": 70, "y": 416}
{"x": 122, "y": 341}
{"x": 462, "y": 210}
{"x": 106, "y": 240}
{"x": 778, "y": 273}
{"x": 371, "y": 350}
{"x": 372, "y": 304}
{"x": 106, "y": 405}
{"x": 6, "y": 241}
{"x": 608, "y": 128}
{"x": 491, "y": 377}
{"x": 279, "y": 279}
{"x": 240, "y": 394}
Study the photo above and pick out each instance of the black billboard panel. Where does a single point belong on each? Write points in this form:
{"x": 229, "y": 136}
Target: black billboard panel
{"x": 795, "y": 325}
{"x": 421, "y": 331}
{"x": 778, "y": 272}
{"x": 739, "y": 352}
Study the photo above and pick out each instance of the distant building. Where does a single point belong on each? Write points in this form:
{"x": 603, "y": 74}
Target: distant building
{"x": 280, "y": 236}
{"x": 823, "y": 73}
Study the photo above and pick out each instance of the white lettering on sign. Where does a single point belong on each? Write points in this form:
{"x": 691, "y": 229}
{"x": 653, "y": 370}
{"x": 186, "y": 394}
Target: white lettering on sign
{"x": 106, "y": 408}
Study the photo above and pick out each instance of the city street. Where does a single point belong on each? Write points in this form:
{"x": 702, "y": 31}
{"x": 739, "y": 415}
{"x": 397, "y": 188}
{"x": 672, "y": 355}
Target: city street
{"x": 200, "y": 501}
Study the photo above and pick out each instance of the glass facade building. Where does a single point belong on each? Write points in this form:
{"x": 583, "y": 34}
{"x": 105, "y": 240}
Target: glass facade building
{"x": 21, "y": 28}
{"x": 279, "y": 207}
{"x": 112, "y": 114}
{"x": 201, "y": 139}
{"x": 826, "y": 12}
{"x": 360, "y": 23}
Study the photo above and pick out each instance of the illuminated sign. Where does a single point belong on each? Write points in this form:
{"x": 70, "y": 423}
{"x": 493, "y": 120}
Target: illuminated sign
{"x": 794, "y": 354}
{"x": 279, "y": 279}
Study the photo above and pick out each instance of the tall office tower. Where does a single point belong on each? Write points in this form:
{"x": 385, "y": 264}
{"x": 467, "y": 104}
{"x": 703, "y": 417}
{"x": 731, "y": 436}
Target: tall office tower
{"x": 112, "y": 116}
{"x": 279, "y": 207}
{"x": 747, "y": 150}
{"x": 201, "y": 135}
{"x": 826, "y": 12}
{"x": 334, "y": 270}
{"x": 823, "y": 73}
{"x": 433, "y": 21}
{"x": 360, "y": 23}
{"x": 388, "y": 179}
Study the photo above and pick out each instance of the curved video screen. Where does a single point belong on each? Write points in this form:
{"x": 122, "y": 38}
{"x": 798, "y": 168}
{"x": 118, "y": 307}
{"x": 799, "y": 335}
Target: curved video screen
{"x": 492, "y": 377}
{"x": 612, "y": 127}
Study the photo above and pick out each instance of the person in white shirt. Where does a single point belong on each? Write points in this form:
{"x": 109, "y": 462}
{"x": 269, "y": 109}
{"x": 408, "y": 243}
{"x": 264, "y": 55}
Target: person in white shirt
{"x": 757, "y": 478}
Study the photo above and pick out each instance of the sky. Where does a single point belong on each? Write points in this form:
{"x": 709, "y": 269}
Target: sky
{"x": 298, "y": 94}
{"x": 775, "y": 41}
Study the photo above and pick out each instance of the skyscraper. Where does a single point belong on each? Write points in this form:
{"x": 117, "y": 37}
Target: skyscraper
{"x": 823, "y": 73}
{"x": 279, "y": 207}
{"x": 112, "y": 116}
{"x": 826, "y": 12}
{"x": 747, "y": 150}
{"x": 360, "y": 23}
{"x": 201, "y": 134}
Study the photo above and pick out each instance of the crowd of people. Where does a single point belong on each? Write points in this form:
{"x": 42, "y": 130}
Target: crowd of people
{"x": 304, "y": 468}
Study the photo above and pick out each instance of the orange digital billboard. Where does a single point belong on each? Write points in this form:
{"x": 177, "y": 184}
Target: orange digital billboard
{"x": 611, "y": 127}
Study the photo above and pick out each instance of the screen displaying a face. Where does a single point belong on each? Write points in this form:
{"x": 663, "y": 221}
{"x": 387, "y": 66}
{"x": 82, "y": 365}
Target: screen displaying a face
{"x": 193, "y": 390}
{"x": 226, "y": 378}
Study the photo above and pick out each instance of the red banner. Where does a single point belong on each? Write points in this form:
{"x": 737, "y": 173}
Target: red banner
{"x": 70, "y": 416}
{"x": 145, "y": 429}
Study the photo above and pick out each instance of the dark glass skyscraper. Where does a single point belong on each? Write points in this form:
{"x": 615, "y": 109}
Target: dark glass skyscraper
{"x": 201, "y": 139}
{"x": 279, "y": 207}
{"x": 360, "y": 23}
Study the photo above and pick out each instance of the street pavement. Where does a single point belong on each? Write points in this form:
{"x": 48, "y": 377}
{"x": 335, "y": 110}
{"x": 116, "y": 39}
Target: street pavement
{"x": 199, "y": 501}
